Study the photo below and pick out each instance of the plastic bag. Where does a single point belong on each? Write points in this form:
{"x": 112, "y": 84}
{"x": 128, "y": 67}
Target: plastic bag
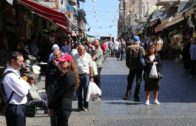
{"x": 93, "y": 91}
{"x": 95, "y": 68}
{"x": 153, "y": 72}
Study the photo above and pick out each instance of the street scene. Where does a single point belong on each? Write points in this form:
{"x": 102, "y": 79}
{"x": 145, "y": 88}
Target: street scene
{"x": 177, "y": 97}
{"x": 98, "y": 63}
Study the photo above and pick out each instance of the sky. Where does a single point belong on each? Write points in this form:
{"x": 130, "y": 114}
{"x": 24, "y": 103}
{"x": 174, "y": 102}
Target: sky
{"x": 102, "y": 17}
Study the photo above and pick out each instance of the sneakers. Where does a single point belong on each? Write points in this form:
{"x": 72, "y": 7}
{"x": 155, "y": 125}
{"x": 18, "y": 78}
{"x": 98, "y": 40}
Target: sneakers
{"x": 156, "y": 102}
{"x": 137, "y": 99}
{"x": 85, "y": 109}
{"x": 79, "y": 109}
{"x": 126, "y": 98}
{"x": 147, "y": 102}
{"x": 96, "y": 99}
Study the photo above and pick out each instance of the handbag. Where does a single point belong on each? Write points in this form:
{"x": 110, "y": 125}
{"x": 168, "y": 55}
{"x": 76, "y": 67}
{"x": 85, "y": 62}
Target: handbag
{"x": 153, "y": 72}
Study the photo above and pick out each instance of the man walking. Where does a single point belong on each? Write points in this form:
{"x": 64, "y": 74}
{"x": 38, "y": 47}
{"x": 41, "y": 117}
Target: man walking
{"x": 83, "y": 61}
{"x": 135, "y": 67}
{"x": 16, "y": 113}
{"x": 51, "y": 81}
{"x": 98, "y": 58}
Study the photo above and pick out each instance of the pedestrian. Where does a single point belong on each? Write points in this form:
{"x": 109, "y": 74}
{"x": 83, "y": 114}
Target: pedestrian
{"x": 186, "y": 58}
{"x": 84, "y": 63}
{"x": 34, "y": 97}
{"x": 98, "y": 58}
{"x": 61, "y": 103}
{"x": 55, "y": 47}
{"x": 65, "y": 48}
{"x": 193, "y": 57}
{"x": 74, "y": 49}
{"x": 135, "y": 67}
{"x": 152, "y": 84}
{"x": 16, "y": 111}
{"x": 122, "y": 48}
{"x": 51, "y": 81}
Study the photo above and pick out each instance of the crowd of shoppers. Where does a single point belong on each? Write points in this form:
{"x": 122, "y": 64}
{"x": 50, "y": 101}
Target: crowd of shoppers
{"x": 70, "y": 69}
{"x": 68, "y": 73}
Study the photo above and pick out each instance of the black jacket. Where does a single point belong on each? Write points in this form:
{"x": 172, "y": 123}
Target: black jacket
{"x": 149, "y": 64}
{"x": 51, "y": 81}
{"x": 64, "y": 93}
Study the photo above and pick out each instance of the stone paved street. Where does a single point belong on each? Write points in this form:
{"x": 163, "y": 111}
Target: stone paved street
{"x": 177, "y": 97}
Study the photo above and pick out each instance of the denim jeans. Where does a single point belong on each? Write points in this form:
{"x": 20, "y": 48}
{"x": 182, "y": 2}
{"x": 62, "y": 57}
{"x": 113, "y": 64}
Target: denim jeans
{"x": 82, "y": 91}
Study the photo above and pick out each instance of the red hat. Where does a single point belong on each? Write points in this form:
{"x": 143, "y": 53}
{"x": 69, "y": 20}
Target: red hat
{"x": 66, "y": 57}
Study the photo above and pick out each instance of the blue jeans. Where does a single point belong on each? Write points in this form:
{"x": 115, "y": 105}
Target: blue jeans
{"x": 82, "y": 91}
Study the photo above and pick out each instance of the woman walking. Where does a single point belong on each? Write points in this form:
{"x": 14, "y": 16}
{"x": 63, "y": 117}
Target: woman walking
{"x": 68, "y": 81}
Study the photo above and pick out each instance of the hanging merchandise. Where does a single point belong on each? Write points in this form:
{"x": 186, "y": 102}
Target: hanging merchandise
{"x": 193, "y": 18}
{"x": 190, "y": 23}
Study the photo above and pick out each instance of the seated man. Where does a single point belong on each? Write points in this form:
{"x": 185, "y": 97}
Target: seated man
{"x": 34, "y": 96}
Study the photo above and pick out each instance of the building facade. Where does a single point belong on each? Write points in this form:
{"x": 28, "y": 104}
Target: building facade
{"x": 131, "y": 13}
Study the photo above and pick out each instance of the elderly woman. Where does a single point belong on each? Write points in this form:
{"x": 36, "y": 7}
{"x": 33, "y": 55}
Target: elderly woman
{"x": 67, "y": 83}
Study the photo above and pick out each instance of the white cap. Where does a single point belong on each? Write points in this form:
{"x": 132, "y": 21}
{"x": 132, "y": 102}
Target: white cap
{"x": 55, "y": 46}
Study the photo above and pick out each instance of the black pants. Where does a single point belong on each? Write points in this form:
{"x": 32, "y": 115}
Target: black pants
{"x": 16, "y": 115}
{"x": 63, "y": 117}
{"x": 54, "y": 120}
{"x": 132, "y": 73}
{"x": 98, "y": 77}
{"x": 193, "y": 67}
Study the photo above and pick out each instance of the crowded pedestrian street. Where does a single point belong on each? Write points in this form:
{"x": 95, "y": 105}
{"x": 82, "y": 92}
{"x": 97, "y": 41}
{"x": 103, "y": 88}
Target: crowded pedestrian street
{"x": 98, "y": 63}
{"x": 177, "y": 98}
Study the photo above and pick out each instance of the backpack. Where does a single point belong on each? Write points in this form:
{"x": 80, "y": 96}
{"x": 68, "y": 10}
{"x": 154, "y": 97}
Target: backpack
{"x": 3, "y": 99}
{"x": 136, "y": 61}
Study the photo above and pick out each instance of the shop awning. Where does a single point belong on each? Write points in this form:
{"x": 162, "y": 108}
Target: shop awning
{"x": 170, "y": 21}
{"x": 60, "y": 19}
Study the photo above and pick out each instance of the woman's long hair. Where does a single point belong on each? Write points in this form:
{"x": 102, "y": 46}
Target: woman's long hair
{"x": 148, "y": 50}
{"x": 74, "y": 68}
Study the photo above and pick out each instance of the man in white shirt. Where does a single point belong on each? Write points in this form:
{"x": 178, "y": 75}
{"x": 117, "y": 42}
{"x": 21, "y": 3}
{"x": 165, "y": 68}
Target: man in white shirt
{"x": 15, "y": 113}
{"x": 84, "y": 63}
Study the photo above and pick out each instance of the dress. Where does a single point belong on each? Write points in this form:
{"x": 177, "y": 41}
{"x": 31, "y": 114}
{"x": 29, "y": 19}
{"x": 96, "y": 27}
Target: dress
{"x": 151, "y": 83}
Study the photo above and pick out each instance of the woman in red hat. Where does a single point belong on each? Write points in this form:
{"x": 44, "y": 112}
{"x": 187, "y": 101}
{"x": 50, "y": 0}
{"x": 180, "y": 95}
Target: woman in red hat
{"x": 68, "y": 81}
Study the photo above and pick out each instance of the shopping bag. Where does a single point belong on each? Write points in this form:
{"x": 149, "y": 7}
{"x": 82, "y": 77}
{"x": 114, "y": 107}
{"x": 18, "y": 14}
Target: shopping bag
{"x": 93, "y": 91}
{"x": 95, "y": 72}
{"x": 153, "y": 71}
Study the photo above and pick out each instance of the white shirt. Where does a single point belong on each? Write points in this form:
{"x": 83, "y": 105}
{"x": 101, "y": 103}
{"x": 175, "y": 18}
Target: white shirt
{"x": 152, "y": 57}
{"x": 83, "y": 62}
{"x": 74, "y": 52}
{"x": 13, "y": 82}
{"x": 116, "y": 45}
